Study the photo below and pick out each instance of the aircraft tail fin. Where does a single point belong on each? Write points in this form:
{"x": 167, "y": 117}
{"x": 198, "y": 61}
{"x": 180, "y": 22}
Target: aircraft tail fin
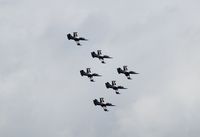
{"x": 82, "y": 72}
{"x": 69, "y": 36}
{"x": 96, "y": 102}
{"x": 119, "y": 70}
{"x": 93, "y": 54}
{"x": 107, "y": 85}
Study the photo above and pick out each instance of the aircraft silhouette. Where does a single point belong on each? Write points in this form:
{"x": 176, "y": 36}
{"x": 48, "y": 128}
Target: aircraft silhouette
{"x": 114, "y": 87}
{"x": 125, "y": 72}
{"x": 89, "y": 74}
{"x": 102, "y": 104}
{"x": 76, "y": 38}
{"x": 100, "y": 56}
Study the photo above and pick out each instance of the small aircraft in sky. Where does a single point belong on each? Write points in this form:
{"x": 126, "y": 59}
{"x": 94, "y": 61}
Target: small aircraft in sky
{"x": 102, "y": 104}
{"x": 76, "y": 38}
{"x": 89, "y": 74}
{"x": 125, "y": 72}
{"x": 100, "y": 56}
{"x": 114, "y": 87}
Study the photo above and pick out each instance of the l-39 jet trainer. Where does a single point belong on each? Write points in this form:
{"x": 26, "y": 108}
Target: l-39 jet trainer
{"x": 89, "y": 74}
{"x": 76, "y": 38}
{"x": 100, "y": 56}
{"x": 102, "y": 104}
{"x": 125, "y": 72}
{"x": 114, "y": 87}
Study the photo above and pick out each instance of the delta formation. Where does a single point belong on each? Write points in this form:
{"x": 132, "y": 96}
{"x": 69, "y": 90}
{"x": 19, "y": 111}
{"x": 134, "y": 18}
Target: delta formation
{"x": 124, "y": 70}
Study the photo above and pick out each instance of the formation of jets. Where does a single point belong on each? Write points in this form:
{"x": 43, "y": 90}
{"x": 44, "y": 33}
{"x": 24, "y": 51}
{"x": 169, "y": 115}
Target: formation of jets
{"x": 90, "y": 75}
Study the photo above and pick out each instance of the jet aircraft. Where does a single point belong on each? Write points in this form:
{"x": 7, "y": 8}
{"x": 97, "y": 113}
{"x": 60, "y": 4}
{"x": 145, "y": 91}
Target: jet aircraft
{"x": 100, "y": 56}
{"x": 102, "y": 104}
{"x": 76, "y": 38}
{"x": 114, "y": 87}
{"x": 125, "y": 72}
{"x": 89, "y": 74}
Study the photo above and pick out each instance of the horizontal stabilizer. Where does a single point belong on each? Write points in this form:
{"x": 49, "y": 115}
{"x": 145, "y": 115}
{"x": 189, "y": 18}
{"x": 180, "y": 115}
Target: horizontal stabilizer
{"x": 121, "y": 87}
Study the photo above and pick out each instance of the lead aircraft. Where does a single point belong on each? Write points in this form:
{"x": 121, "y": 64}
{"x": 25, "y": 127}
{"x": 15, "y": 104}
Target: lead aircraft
{"x": 76, "y": 38}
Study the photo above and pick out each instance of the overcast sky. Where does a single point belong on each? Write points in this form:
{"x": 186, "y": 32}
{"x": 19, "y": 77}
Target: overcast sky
{"x": 43, "y": 95}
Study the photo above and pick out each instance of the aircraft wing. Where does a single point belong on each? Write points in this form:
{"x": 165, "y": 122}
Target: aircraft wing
{"x": 105, "y": 108}
{"x": 132, "y": 72}
{"x": 106, "y": 56}
{"x": 78, "y": 43}
{"x": 95, "y": 74}
{"x": 121, "y": 87}
{"x": 109, "y": 104}
{"x": 81, "y": 38}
